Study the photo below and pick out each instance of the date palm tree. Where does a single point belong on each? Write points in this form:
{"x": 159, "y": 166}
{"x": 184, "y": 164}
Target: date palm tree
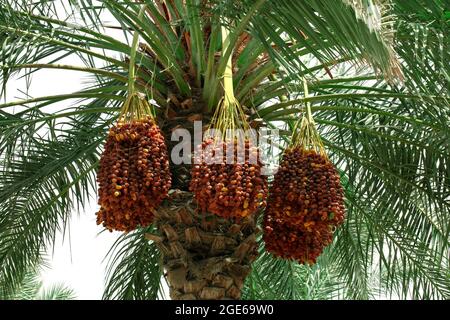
{"x": 378, "y": 78}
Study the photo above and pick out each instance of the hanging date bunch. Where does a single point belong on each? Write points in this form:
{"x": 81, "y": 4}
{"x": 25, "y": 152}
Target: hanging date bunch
{"x": 133, "y": 175}
{"x": 226, "y": 174}
{"x": 306, "y": 201}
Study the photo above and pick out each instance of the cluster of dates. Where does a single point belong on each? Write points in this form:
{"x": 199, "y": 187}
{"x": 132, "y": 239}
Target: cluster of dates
{"x": 305, "y": 206}
{"x": 133, "y": 176}
{"x": 227, "y": 179}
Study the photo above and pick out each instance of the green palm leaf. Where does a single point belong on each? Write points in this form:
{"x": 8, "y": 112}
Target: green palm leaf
{"x": 134, "y": 271}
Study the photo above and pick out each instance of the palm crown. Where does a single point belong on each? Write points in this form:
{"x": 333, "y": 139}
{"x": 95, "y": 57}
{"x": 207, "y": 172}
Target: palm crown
{"x": 378, "y": 82}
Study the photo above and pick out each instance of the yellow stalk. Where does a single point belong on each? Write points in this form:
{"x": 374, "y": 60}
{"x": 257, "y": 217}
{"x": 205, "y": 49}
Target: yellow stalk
{"x": 308, "y": 104}
{"x": 229, "y": 113}
{"x": 135, "y": 107}
{"x": 305, "y": 132}
{"x": 228, "y": 73}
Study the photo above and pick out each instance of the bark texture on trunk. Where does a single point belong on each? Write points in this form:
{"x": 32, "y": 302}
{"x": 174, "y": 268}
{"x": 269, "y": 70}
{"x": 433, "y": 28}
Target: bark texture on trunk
{"x": 205, "y": 256}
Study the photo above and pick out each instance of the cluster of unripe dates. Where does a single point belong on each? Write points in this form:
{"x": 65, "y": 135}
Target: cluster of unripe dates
{"x": 305, "y": 206}
{"x": 133, "y": 175}
{"x": 227, "y": 179}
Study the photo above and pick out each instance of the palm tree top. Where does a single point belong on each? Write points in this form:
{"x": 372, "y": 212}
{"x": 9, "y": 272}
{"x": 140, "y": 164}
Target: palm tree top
{"x": 378, "y": 78}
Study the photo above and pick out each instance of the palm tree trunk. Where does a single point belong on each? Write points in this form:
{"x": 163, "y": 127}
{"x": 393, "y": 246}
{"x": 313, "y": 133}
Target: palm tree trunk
{"x": 204, "y": 256}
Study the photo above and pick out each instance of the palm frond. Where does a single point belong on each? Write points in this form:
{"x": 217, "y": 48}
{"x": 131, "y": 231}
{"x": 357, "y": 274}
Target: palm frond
{"x": 26, "y": 289}
{"x": 47, "y": 169}
{"x": 272, "y": 278}
{"x": 31, "y": 287}
{"x": 57, "y": 292}
{"x": 134, "y": 269}
{"x": 328, "y": 30}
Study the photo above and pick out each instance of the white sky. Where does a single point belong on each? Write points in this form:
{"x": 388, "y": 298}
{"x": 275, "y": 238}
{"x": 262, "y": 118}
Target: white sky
{"x": 77, "y": 262}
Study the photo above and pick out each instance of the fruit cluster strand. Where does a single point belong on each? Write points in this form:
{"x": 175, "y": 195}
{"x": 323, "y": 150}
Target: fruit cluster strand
{"x": 133, "y": 176}
{"x": 234, "y": 188}
{"x": 305, "y": 206}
